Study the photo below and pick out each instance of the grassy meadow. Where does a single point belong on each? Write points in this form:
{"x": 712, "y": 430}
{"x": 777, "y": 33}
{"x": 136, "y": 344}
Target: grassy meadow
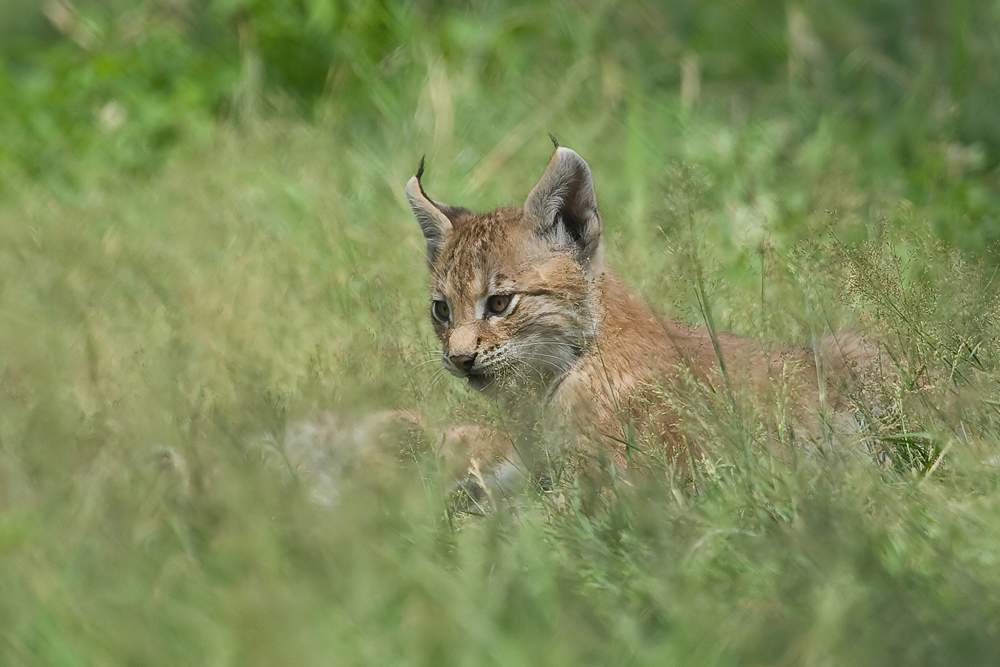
{"x": 204, "y": 245}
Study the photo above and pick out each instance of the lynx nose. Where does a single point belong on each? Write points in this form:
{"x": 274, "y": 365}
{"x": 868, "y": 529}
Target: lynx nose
{"x": 463, "y": 362}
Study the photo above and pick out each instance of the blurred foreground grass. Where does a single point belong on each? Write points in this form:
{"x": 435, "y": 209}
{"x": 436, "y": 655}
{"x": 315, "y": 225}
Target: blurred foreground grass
{"x": 156, "y": 327}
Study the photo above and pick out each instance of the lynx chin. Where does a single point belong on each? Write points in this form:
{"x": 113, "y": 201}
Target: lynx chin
{"x": 527, "y": 310}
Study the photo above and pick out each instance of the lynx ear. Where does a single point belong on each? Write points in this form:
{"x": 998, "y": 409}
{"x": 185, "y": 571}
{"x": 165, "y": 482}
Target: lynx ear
{"x": 563, "y": 207}
{"x": 436, "y": 220}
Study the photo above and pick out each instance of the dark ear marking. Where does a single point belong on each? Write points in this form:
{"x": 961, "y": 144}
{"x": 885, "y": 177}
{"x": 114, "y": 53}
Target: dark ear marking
{"x": 420, "y": 169}
{"x": 572, "y": 224}
{"x": 553, "y": 139}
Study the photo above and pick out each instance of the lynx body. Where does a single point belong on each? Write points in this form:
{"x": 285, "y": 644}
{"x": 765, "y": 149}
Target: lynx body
{"x": 527, "y": 310}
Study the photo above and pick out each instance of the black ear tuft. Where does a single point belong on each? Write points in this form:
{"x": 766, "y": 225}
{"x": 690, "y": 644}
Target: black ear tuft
{"x": 436, "y": 220}
{"x": 553, "y": 139}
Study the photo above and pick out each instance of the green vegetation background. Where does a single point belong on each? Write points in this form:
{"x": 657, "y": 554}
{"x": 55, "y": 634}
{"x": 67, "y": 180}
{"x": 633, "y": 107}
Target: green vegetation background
{"x": 203, "y": 243}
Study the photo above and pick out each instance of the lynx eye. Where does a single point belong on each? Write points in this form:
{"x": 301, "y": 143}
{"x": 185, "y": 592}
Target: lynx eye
{"x": 440, "y": 311}
{"x": 498, "y": 303}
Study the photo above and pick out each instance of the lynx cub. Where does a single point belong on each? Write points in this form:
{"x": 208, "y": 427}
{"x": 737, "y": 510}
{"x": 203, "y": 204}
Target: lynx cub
{"x": 527, "y": 310}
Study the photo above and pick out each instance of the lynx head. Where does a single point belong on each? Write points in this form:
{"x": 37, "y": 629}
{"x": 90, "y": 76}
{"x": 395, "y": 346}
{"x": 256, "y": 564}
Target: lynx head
{"x": 511, "y": 290}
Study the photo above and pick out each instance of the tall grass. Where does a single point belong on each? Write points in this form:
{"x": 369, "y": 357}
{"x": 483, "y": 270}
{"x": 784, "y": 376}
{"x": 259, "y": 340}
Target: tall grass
{"x": 164, "y": 334}
{"x": 155, "y": 332}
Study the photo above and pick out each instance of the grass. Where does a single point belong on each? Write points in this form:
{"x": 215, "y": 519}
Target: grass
{"x": 155, "y": 329}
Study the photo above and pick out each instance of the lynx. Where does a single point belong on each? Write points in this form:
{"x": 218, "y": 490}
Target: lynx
{"x": 527, "y": 310}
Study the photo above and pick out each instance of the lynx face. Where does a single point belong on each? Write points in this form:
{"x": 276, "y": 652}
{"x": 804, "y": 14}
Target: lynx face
{"x": 511, "y": 290}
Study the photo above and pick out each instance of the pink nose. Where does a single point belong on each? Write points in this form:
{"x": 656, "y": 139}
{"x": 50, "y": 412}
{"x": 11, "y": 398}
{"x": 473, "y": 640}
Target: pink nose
{"x": 463, "y": 362}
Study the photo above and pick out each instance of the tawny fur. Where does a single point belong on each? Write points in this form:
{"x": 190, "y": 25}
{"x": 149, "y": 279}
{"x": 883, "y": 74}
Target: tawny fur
{"x": 576, "y": 341}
